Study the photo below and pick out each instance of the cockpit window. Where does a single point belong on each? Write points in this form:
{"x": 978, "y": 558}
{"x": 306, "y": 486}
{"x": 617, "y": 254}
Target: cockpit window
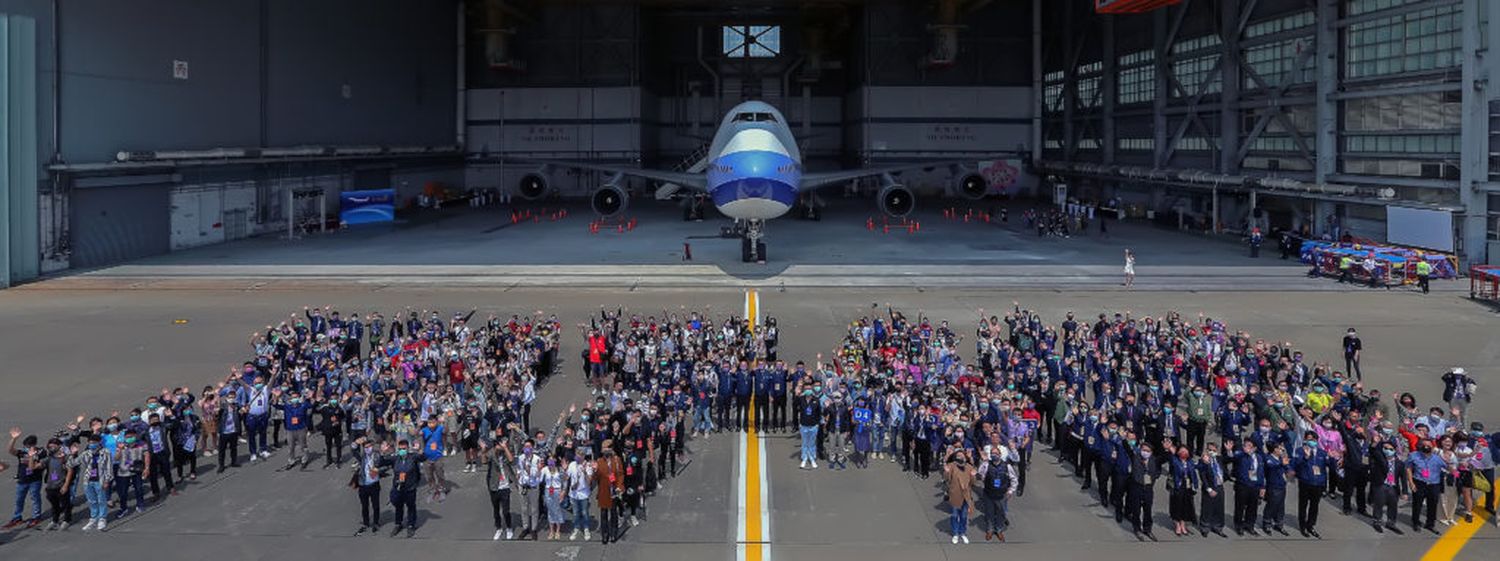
{"x": 755, "y": 118}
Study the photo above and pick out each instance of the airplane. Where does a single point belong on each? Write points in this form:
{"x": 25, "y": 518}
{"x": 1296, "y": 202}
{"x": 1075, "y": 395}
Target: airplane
{"x": 753, "y": 174}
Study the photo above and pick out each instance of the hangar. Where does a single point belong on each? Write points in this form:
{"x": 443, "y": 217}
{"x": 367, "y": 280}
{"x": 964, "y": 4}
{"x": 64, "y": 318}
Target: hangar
{"x": 1370, "y": 117}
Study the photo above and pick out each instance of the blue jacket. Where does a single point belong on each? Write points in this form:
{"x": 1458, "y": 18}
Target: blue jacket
{"x": 1312, "y": 467}
{"x": 1211, "y": 474}
{"x": 1250, "y": 469}
{"x": 1275, "y": 473}
{"x": 298, "y": 415}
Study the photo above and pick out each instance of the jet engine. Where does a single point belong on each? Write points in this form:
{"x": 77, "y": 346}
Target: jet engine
{"x": 533, "y": 186}
{"x": 895, "y": 199}
{"x": 609, "y": 200}
{"x": 972, "y": 186}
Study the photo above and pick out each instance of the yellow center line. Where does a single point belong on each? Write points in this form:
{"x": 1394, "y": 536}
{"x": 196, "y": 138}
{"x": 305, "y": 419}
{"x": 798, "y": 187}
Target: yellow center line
{"x": 1452, "y": 541}
{"x": 754, "y": 536}
{"x": 754, "y": 549}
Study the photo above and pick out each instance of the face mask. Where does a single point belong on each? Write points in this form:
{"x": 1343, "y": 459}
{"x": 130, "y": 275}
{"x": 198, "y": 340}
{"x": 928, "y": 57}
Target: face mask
{"x": 585, "y": 418}
{"x": 130, "y": 440}
{"x": 259, "y": 385}
{"x": 93, "y": 446}
{"x": 401, "y": 452}
{"x": 1389, "y": 452}
{"x": 526, "y": 449}
{"x": 1265, "y": 429}
{"x": 1145, "y": 453}
{"x": 134, "y": 417}
{"x": 1198, "y": 393}
{"x": 112, "y": 427}
{"x": 1130, "y": 442}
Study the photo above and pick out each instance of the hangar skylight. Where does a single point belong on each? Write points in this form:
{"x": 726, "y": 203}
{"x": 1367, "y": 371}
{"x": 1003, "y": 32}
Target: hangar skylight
{"x": 752, "y": 41}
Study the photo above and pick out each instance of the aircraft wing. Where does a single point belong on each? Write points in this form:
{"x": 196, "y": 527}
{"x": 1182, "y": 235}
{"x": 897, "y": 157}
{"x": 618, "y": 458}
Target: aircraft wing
{"x": 812, "y": 181}
{"x": 696, "y": 181}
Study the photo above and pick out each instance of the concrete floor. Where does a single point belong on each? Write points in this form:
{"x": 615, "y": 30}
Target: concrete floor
{"x": 97, "y": 341}
{"x": 70, "y": 351}
{"x": 481, "y": 247}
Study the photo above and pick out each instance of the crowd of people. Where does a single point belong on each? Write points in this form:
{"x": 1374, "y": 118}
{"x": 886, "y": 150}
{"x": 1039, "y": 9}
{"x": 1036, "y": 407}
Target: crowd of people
{"x": 1128, "y": 402}
{"x": 1066, "y": 221}
{"x": 1211, "y": 416}
{"x": 406, "y": 392}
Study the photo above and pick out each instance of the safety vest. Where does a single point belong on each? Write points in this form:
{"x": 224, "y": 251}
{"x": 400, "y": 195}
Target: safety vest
{"x": 1424, "y": 268}
{"x": 1346, "y": 263}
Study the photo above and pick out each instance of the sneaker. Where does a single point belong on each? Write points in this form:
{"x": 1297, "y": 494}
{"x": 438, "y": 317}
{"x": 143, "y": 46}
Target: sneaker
{"x": 955, "y": 539}
{"x": 361, "y": 531}
{"x": 396, "y": 531}
{"x": 964, "y": 538}
{"x": 140, "y": 510}
{"x": 634, "y": 521}
{"x": 573, "y": 537}
{"x": 50, "y": 527}
{"x": 815, "y": 464}
{"x": 412, "y": 531}
{"x": 13, "y": 523}
{"x": 265, "y": 453}
{"x": 804, "y": 464}
{"x": 498, "y": 533}
{"x": 510, "y": 534}
{"x": 90, "y": 525}
{"x": 586, "y": 535}
{"x": 103, "y": 525}
{"x": 63, "y": 527}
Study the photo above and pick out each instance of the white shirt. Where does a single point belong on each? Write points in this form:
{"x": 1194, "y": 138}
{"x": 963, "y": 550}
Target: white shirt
{"x": 580, "y": 475}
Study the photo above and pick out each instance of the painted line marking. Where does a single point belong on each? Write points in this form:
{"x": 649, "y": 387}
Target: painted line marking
{"x": 753, "y": 537}
{"x": 1452, "y": 541}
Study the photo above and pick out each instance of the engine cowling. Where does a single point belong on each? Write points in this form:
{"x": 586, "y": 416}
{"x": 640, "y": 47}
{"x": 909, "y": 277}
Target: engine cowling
{"x": 972, "y": 186}
{"x": 533, "y": 186}
{"x": 609, "y": 200}
{"x": 896, "y": 200}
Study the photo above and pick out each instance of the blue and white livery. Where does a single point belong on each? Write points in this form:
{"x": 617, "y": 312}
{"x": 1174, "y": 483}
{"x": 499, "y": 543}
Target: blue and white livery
{"x": 753, "y": 173}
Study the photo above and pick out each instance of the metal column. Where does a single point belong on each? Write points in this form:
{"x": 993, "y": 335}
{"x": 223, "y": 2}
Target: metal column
{"x": 1229, "y": 98}
{"x": 1108, "y": 86}
{"x": 1474, "y": 160}
{"x": 1159, "y": 100}
{"x": 1036, "y": 81}
{"x": 1070, "y": 84}
{"x": 1328, "y": 76}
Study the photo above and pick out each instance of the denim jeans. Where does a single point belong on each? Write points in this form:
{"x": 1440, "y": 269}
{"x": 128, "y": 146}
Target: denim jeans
{"x": 809, "y": 443}
{"x": 98, "y": 500}
{"x": 580, "y": 514}
{"x": 22, "y": 490}
{"x": 960, "y": 520}
{"x": 703, "y": 420}
{"x": 255, "y": 432}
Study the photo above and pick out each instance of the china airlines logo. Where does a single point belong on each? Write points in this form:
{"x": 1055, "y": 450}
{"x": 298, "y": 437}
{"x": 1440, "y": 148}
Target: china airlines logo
{"x": 1000, "y": 174}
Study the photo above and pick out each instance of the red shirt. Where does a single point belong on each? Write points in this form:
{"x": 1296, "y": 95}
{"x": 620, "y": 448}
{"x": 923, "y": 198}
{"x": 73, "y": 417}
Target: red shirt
{"x": 596, "y": 349}
{"x": 456, "y": 372}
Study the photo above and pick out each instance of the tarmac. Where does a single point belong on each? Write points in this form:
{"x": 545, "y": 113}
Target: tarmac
{"x": 99, "y": 340}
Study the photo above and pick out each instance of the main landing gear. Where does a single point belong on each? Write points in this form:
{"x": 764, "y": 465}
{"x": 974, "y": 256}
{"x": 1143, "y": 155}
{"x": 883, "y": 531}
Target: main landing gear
{"x": 752, "y": 241}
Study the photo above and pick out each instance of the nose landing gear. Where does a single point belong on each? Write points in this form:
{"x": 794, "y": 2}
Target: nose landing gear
{"x": 752, "y": 241}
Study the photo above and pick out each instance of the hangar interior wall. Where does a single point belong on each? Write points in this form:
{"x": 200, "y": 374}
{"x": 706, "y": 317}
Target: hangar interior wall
{"x": 260, "y": 73}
